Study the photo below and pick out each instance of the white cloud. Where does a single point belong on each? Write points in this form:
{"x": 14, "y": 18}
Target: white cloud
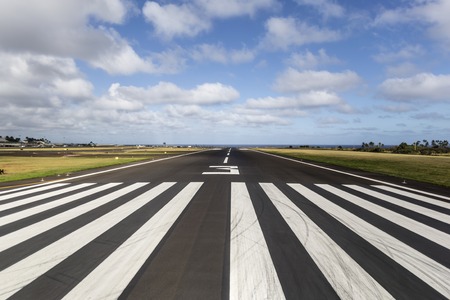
{"x": 231, "y": 117}
{"x": 65, "y": 29}
{"x": 169, "y": 93}
{"x": 171, "y": 20}
{"x": 120, "y": 58}
{"x": 217, "y": 53}
{"x": 72, "y": 88}
{"x": 398, "y": 108}
{"x": 293, "y": 81}
{"x": 298, "y": 105}
{"x": 402, "y": 70}
{"x": 242, "y": 55}
{"x": 40, "y": 81}
{"x": 309, "y": 60}
{"x": 331, "y": 121}
{"x": 312, "y": 99}
{"x": 433, "y": 13}
{"x": 283, "y": 33}
{"x": 194, "y": 17}
{"x": 325, "y": 7}
{"x": 431, "y": 116}
{"x": 234, "y": 8}
{"x": 424, "y": 86}
{"x": 406, "y": 53}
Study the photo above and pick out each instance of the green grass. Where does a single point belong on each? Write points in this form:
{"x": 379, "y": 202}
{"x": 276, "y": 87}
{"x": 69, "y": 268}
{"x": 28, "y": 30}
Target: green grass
{"x": 431, "y": 169}
{"x": 40, "y": 163}
{"x": 36, "y": 167}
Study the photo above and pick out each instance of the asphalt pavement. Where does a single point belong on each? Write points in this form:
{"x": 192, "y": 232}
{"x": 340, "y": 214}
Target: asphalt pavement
{"x": 225, "y": 224}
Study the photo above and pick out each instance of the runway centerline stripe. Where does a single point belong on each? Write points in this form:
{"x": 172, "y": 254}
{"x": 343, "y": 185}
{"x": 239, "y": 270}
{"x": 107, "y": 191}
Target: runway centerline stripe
{"x": 252, "y": 273}
{"x": 38, "y": 209}
{"x": 402, "y": 203}
{"x": 23, "y": 272}
{"x": 43, "y": 196}
{"x": 31, "y": 191}
{"x": 25, "y": 233}
{"x": 434, "y": 274}
{"x": 425, "y": 231}
{"x": 346, "y": 276}
{"x": 414, "y": 196}
{"x": 111, "y": 277}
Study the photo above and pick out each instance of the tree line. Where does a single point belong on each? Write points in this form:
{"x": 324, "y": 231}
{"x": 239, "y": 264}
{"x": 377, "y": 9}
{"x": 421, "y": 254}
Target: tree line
{"x": 418, "y": 147}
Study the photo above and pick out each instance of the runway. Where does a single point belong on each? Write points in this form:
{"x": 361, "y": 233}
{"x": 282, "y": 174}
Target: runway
{"x": 225, "y": 224}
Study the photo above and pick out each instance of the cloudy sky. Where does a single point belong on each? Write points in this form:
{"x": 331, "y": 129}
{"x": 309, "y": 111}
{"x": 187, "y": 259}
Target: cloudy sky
{"x": 225, "y": 72}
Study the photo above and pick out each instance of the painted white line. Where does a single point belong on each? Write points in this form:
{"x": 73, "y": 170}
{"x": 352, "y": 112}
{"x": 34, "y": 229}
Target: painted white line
{"x": 431, "y": 272}
{"x": 346, "y": 276}
{"x": 252, "y": 273}
{"x": 402, "y": 203}
{"x": 414, "y": 196}
{"x": 426, "y": 231}
{"x": 49, "y": 205}
{"x": 17, "y": 189}
{"x": 30, "y": 191}
{"x": 229, "y": 170}
{"x": 23, "y": 272}
{"x": 225, "y": 161}
{"x": 25, "y": 233}
{"x": 43, "y": 196}
{"x": 354, "y": 175}
{"x": 112, "y": 276}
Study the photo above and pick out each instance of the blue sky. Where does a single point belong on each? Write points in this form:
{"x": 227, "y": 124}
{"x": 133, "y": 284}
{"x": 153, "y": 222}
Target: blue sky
{"x": 225, "y": 72}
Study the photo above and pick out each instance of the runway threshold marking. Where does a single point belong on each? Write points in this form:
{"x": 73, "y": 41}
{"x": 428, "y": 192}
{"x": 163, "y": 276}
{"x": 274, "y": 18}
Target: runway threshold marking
{"x": 23, "y": 272}
{"x": 250, "y": 265}
{"x": 342, "y": 272}
{"x": 120, "y": 267}
{"x": 428, "y": 270}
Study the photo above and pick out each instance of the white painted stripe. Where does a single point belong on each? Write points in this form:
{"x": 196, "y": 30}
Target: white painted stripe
{"x": 434, "y": 274}
{"x": 225, "y": 160}
{"x": 17, "y": 203}
{"x": 252, "y": 273}
{"x": 25, "y": 233}
{"x": 402, "y": 203}
{"x": 353, "y": 175}
{"x": 49, "y": 205}
{"x": 346, "y": 276}
{"x": 16, "y": 189}
{"x": 112, "y": 276}
{"x": 426, "y": 231}
{"x": 23, "y": 272}
{"x": 30, "y": 191}
{"x": 414, "y": 196}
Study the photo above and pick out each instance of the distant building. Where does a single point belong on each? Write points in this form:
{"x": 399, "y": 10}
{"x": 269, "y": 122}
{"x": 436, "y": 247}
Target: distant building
{"x": 5, "y": 143}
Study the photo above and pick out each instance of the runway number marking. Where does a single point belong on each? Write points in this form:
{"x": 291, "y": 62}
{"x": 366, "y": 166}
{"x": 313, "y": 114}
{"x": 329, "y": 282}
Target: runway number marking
{"x": 224, "y": 170}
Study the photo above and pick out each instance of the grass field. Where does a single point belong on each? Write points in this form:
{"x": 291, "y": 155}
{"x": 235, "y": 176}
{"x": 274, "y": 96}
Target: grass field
{"x": 39, "y": 163}
{"x": 431, "y": 169}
